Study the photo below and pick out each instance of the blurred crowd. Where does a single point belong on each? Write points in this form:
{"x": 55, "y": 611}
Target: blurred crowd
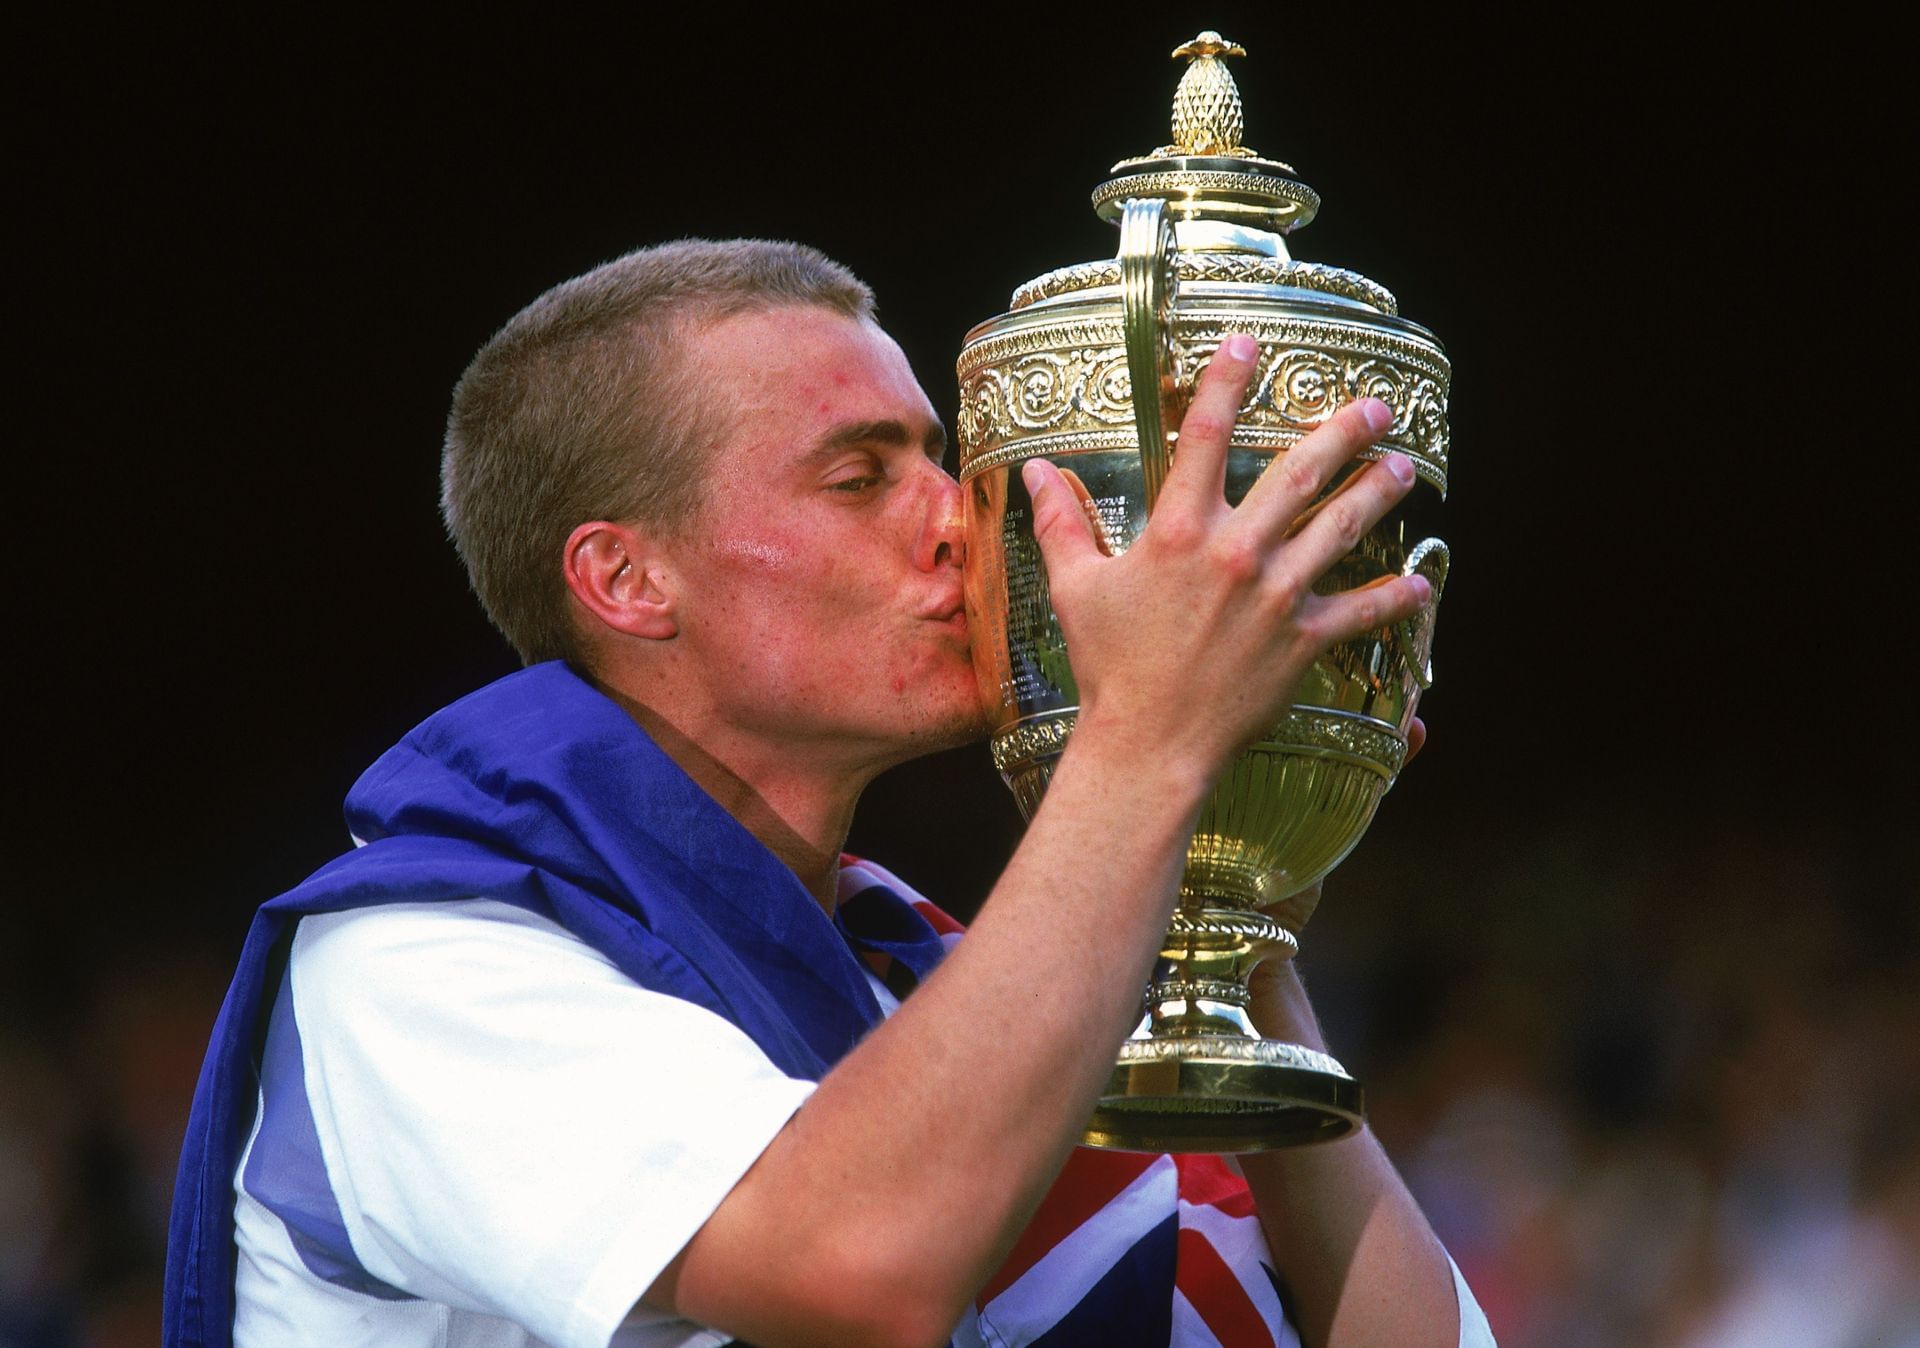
{"x": 1655, "y": 1084}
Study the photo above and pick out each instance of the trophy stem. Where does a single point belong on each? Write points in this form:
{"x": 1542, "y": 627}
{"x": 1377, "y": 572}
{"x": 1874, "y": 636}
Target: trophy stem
{"x": 1196, "y": 1076}
{"x": 1199, "y": 986}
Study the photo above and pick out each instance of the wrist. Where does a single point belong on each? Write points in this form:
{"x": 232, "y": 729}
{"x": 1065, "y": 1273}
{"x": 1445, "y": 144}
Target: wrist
{"x": 1136, "y": 753}
{"x": 1276, "y": 980}
{"x": 1280, "y": 1009}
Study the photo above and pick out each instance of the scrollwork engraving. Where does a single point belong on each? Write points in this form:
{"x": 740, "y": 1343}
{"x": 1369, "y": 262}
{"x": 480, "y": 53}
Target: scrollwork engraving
{"x": 1058, "y": 388}
{"x": 1043, "y": 389}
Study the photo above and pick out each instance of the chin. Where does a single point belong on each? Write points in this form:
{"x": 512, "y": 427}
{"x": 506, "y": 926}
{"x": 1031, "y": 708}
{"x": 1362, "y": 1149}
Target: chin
{"x": 969, "y": 727}
{"x": 963, "y": 725}
{"x": 960, "y": 723}
{"x": 952, "y": 711}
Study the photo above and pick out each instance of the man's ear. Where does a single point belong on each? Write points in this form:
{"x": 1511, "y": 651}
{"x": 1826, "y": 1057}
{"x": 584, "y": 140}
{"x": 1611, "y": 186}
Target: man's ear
{"x": 612, "y": 570}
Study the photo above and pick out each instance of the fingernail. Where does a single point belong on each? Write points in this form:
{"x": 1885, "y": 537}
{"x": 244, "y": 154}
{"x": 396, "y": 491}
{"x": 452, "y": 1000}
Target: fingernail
{"x": 1239, "y": 347}
{"x": 1378, "y": 415}
{"x": 1034, "y": 473}
{"x": 1422, "y": 587}
{"x": 1401, "y": 467}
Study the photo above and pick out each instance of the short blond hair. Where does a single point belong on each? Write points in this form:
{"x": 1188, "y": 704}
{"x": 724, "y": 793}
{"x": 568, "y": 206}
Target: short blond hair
{"x": 585, "y": 407}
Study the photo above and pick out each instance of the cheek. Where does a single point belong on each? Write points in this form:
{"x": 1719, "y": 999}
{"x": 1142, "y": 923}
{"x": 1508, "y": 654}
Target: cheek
{"x": 796, "y": 604}
{"x": 760, "y": 576}
{"x": 765, "y": 556}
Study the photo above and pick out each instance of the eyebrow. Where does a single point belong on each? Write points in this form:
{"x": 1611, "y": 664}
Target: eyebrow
{"x": 883, "y": 432}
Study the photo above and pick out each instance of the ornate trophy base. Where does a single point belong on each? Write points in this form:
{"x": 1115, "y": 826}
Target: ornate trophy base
{"x": 1221, "y": 1093}
{"x": 1196, "y": 1077}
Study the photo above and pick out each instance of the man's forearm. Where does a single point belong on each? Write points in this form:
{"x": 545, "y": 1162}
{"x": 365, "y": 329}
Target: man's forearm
{"x": 1352, "y": 1246}
{"x": 921, "y": 1156}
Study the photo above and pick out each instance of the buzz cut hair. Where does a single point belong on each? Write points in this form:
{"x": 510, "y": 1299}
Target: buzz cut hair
{"x": 587, "y": 406}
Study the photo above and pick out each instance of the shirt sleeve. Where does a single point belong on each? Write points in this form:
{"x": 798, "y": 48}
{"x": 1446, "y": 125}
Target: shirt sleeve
{"x": 509, "y": 1124}
{"x": 1475, "y": 1332}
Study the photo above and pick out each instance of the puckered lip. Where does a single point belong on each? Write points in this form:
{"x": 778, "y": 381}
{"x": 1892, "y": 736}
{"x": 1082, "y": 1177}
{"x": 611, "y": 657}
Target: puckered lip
{"x": 946, "y": 610}
{"x": 950, "y": 615}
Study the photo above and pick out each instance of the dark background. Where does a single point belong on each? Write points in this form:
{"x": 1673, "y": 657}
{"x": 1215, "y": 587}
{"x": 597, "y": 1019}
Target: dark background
{"x": 1676, "y": 653}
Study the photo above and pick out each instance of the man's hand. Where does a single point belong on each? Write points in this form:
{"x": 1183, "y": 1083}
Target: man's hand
{"x": 1195, "y": 638}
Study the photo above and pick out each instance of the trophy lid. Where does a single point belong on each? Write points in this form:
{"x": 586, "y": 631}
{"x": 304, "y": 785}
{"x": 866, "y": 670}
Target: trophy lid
{"x": 1206, "y": 173}
{"x": 1055, "y": 373}
{"x": 1230, "y": 205}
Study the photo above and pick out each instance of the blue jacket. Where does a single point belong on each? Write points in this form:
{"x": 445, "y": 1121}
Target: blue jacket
{"x": 539, "y": 791}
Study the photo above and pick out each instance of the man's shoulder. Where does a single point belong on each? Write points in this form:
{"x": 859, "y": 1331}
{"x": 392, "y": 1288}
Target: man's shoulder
{"x": 416, "y": 946}
{"x": 415, "y": 927}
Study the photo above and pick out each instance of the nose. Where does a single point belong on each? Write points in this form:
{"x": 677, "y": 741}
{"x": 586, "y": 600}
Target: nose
{"x": 943, "y": 530}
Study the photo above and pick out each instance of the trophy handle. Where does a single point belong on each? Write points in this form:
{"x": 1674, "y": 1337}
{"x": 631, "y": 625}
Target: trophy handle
{"x": 1414, "y": 635}
{"x": 1146, "y": 295}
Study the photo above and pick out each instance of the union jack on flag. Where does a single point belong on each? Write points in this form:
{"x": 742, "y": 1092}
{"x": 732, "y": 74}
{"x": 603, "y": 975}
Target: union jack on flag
{"x": 1129, "y": 1248}
{"x": 1126, "y": 1248}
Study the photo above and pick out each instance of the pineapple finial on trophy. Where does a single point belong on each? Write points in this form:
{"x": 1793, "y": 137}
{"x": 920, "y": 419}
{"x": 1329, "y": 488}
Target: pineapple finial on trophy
{"x": 1206, "y": 107}
{"x": 1207, "y": 125}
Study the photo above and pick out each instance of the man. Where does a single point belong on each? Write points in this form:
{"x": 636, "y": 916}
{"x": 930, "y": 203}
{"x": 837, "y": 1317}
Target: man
{"x": 537, "y": 1063}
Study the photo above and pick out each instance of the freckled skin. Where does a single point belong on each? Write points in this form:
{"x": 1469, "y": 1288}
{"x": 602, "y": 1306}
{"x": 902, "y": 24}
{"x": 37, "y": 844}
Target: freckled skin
{"x": 820, "y": 591}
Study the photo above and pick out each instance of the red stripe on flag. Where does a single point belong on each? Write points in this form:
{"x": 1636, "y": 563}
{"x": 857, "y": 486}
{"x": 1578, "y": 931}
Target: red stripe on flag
{"x": 1210, "y": 1287}
{"x": 1210, "y": 1180}
{"x": 1088, "y": 1182}
{"x": 942, "y": 924}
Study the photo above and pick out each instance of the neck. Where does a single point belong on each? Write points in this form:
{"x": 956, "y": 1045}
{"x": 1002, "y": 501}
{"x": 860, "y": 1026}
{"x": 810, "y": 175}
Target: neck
{"x": 801, "y": 817}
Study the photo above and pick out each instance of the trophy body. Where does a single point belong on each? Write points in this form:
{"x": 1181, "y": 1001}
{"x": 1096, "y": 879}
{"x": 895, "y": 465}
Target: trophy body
{"x": 1087, "y": 368}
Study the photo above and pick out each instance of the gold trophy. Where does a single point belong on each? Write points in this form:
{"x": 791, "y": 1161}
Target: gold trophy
{"x": 1089, "y": 367}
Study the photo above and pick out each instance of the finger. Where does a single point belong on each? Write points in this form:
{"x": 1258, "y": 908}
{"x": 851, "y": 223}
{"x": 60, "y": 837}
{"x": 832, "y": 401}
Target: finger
{"x": 1416, "y": 739}
{"x": 1339, "y": 521}
{"x": 1306, "y": 517}
{"x": 1199, "y": 472}
{"x": 1371, "y": 607}
{"x": 1295, "y": 479}
{"x": 1091, "y": 511}
{"x": 1060, "y": 523}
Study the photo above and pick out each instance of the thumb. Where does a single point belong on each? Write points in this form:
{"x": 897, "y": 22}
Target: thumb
{"x": 1061, "y": 525}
